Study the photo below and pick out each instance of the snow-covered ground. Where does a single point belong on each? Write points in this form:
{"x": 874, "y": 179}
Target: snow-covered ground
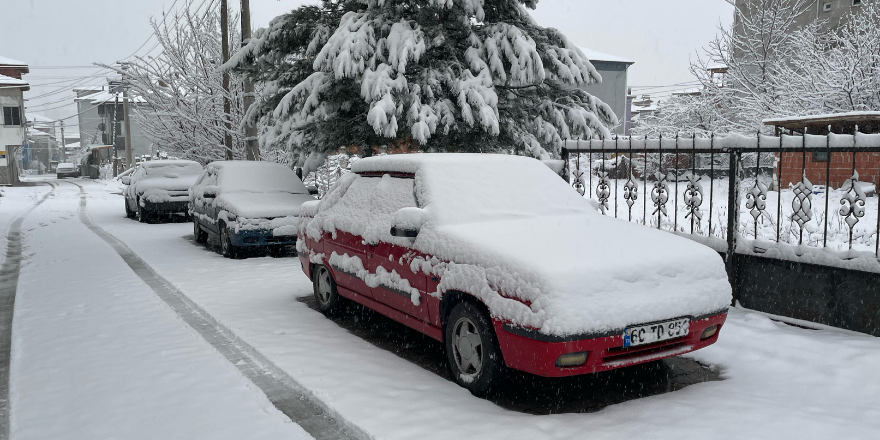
{"x": 96, "y": 354}
{"x": 779, "y": 381}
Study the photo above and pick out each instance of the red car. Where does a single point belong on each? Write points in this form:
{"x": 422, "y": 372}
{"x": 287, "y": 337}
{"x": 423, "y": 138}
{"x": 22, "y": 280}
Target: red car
{"x": 503, "y": 262}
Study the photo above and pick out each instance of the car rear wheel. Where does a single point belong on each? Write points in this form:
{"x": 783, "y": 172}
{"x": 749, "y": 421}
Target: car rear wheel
{"x": 475, "y": 360}
{"x": 324, "y": 287}
{"x": 226, "y": 247}
{"x": 200, "y": 236}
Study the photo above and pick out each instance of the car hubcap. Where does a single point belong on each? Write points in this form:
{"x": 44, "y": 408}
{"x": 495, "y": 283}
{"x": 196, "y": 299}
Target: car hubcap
{"x": 324, "y": 287}
{"x": 467, "y": 347}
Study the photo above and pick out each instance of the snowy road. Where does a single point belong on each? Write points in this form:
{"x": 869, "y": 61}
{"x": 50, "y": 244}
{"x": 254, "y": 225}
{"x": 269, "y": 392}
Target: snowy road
{"x": 95, "y": 354}
{"x": 74, "y": 359}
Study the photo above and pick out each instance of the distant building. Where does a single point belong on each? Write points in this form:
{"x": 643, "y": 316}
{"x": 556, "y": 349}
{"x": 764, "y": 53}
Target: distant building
{"x": 833, "y": 13}
{"x": 613, "y": 89}
{"x": 13, "y": 130}
{"x": 100, "y": 119}
{"x": 839, "y": 166}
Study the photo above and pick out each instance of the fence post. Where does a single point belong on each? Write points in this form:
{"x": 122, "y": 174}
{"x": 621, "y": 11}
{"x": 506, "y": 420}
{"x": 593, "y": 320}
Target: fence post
{"x": 732, "y": 210}
{"x": 566, "y": 174}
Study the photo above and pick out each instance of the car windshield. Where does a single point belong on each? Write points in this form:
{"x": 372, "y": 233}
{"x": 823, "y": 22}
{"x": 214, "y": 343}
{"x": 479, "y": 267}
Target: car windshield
{"x": 172, "y": 169}
{"x": 259, "y": 177}
{"x": 498, "y": 189}
{"x": 65, "y": 166}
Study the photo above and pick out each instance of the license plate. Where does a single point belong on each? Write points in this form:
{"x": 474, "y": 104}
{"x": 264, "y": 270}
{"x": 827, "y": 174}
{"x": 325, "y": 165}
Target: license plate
{"x": 661, "y": 331}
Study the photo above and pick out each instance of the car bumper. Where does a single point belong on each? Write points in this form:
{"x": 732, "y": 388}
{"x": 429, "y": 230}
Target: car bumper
{"x": 245, "y": 238}
{"x": 532, "y": 352}
{"x": 167, "y": 207}
{"x": 70, "y": 174}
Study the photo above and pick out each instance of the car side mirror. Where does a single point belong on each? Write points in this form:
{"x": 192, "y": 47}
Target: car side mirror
{"x": 313, "y": 190}
{"x": 126, "y": 180}
{"x": 209, "y": 195}
{"x": 407, "y": 222}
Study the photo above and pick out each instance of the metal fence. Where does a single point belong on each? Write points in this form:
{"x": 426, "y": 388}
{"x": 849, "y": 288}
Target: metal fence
{"x": 803, "y": 199}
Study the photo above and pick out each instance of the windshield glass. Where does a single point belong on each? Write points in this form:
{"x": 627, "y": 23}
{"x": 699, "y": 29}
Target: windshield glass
{"x": 172, "y": 169}
{"x": 259, "y": 177}
{"x": 505, "y": 188}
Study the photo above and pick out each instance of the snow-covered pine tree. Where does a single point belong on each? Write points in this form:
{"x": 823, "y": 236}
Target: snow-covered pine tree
{"x": 437, "y": 75}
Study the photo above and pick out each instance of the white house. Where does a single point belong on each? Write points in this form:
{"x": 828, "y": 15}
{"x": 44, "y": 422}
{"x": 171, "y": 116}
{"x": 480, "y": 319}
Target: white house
{"x": 12, "y": 125}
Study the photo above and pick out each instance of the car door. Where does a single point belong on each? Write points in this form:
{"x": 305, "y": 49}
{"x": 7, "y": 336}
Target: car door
{"x": 395, "y": 284}
{"x": 209, "y": 205}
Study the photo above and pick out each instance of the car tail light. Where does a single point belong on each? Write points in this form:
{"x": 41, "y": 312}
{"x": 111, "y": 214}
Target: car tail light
{"x": 709, "y": 332}
{"x": 572, "y": 359}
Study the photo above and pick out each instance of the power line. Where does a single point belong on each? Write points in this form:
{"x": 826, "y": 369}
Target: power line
{"x": 164, "y": 17}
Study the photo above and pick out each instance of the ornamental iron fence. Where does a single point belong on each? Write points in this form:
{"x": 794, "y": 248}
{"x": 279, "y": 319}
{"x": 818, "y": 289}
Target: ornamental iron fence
{"x": 806, "y": 200}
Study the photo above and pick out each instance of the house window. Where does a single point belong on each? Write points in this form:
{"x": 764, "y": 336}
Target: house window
{"x": 826, "y": 7}
{"x": 857, "y": 2}
{"x": 12, "y": 116}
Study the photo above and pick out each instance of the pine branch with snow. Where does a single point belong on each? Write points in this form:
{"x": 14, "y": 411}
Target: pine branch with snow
{"x": 433, "y": 75}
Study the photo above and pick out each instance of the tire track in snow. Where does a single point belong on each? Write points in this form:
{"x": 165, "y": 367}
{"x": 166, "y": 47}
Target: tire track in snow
{"x": 291, "y": 398}
{"x": 9, "y": 272}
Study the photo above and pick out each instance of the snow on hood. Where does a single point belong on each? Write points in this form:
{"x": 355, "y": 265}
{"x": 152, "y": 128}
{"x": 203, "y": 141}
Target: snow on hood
{"x": 503, "y": 227}
{"x": 262, "y": 205}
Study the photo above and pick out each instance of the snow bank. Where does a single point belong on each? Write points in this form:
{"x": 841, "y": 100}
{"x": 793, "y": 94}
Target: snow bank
{"x": 509, "y": 231}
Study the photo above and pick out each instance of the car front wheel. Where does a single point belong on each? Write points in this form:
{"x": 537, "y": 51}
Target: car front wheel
{"x": 143, "y": 215}
{"x": 200, "y": 236}
{"x": 325, "y": 291}
{"x": 475, "y": 360}
{"x": 128, "y": 212}
{"x": 226, "y": 247}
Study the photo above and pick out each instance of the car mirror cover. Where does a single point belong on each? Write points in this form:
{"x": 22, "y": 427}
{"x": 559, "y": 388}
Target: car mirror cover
{"x": 401, "y": 232}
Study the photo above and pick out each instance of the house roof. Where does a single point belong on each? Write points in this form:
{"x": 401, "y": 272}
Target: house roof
{"x": 8, "y": 81}
{"x": 104, "y": 96}
{"x": 9, "y": 62}
{"x": 799, "y": 122}
{"x": 595, "y": 55}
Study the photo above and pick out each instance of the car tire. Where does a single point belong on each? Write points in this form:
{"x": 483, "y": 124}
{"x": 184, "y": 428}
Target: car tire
{"x": 143, "y": 215}
{"x": 128, "y": 212}
{"x": 226, "y": 246}
{"x": 324, "y": 288}
{"x": 277, "y": 251}
{"x": 200, "y": 236}
{"x": 472, "y": 351}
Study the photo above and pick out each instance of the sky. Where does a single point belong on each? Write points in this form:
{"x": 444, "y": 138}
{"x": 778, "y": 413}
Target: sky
{"x": 61, "y": 39}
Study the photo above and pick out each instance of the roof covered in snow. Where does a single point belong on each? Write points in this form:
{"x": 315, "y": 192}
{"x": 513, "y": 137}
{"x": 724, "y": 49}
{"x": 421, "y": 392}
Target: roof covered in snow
{"x": 595, "y": 55}
{"x": 10, "y": 81}
{"x": 10, "y": 62}
{"x": 105, "y": 96}
{"x": 798, "y": 122}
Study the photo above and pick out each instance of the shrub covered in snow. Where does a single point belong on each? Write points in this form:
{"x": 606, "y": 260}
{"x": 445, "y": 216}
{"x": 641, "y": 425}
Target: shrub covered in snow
{"x": 437, "y": 75}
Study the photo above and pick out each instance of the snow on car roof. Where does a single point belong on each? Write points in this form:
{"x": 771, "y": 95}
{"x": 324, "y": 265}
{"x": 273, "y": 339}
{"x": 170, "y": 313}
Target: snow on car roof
{"x": 168, "y": 163}
{"x": 257, "y": 176}
{"x": 470, "y": 187}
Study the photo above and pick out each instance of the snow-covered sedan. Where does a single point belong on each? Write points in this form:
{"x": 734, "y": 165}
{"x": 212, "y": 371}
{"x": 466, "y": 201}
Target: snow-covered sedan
{"x": 499, "y": 259}
{"x": 247, "y": 204}
{"x": 66, "y": 170}
{"x": 159, "y": 187}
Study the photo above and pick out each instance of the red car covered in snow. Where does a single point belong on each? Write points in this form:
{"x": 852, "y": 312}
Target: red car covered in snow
{"x": 503, "y": 262}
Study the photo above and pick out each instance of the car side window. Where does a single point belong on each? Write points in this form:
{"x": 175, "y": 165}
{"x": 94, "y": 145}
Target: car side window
{"x": 368, "y": 205}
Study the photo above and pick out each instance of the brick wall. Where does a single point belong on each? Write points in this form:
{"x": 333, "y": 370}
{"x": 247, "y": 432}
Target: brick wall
{"x": 840, "y": 168}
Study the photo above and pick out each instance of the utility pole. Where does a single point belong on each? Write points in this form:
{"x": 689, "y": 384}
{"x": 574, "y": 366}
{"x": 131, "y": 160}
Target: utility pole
{"x": 63, "y": 144}
{"x": 224, "y": 24}
{"x": 126, "y": 119}
{"x": 113, "y": 135}
{"x": 250, "y": 132}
